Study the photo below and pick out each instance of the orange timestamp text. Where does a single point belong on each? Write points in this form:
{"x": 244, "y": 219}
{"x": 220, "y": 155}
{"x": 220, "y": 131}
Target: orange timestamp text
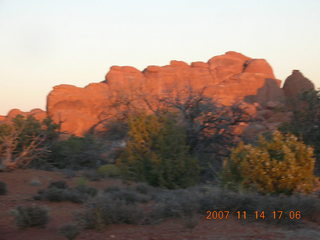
{"x": 243, "y": 215}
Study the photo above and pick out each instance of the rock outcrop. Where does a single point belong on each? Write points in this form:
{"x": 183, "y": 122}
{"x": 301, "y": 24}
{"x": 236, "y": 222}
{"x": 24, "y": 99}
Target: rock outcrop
{"x": 296, "y": 84}
{"x": 37, "y": 113}
{"x": 78, "y": 109}
{"x": 227, "y": 78}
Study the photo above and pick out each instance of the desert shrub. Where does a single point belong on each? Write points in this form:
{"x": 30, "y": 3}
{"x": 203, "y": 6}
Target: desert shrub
{"x": 58, "y": 184}
{"x": 175, "y": 204}
{"x": 70, "y": 231}
{"x": 77, "y": 153}
{"x": 112, "y": 189}
{"x": 103, "y": 211}
{"x": 51, "y": 194}
{"x": 157, "y": 153}
{"x": 127, "y": 195}
{"x": 82, "y": 181}
{"x": 31, "y": 216}
{"x": 92, "y": 175}
{"x": 86, "y": 190}
{"x": 282, "y": 164}
{"x": 225, "y": 200}
{"x": 3, "y": 188}
{"x": 144, "y": 188}
{"x": 109, "y": 170}
{"x": 78, "y": 194}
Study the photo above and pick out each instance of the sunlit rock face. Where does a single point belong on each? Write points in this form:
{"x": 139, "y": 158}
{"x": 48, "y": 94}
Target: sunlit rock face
{"x": 228, "y": 78}
{"x": 37, "y": 113}
{"x": 78, "y": 109}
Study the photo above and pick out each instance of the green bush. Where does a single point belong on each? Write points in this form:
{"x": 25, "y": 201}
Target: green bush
{"x": 3, "y": 188}
{"x": 109, "y": 170}
{"x": 282, "y": 164}
{"x": 31, "y": 216}
{"x": 157, "y": 153}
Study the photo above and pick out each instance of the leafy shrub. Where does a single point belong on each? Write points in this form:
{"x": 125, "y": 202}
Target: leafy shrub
{"x": 3, "y": 188}
{"x": 109, "y": 170}
{"x": 103, "y": 211}
{"x": 157, "y": 153}
{"x": 279, "y": 165}
{"x": 31, "y": 216}
{"x": 70, "y": 231}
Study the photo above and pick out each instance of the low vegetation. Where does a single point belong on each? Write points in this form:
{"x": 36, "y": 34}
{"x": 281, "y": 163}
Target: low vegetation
{"x": 59, "y": 192}
{"x": 70, "y": 231}
{"x": 115, "y": 206}
{"x": 31, "y": 216}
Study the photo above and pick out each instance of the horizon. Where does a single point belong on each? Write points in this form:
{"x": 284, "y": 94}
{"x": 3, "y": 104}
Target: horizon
{"x": 45, "y": 44}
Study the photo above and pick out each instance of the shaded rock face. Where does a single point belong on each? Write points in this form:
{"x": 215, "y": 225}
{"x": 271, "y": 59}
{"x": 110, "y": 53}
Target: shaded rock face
{"x": 228, "y": 78}
{"x": 296, "y": 84}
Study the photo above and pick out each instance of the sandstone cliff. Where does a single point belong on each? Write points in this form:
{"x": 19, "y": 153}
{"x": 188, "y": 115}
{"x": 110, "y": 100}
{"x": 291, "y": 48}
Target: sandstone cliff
{"x": 228, "y": 78}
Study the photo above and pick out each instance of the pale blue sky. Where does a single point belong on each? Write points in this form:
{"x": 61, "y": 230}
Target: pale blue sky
{"x": 45, "y": 43}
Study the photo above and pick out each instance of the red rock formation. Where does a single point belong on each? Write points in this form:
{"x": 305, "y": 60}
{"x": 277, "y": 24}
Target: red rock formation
{"x": 37, "y": 113}
{"x": 227, "y": 78}
{"x": 78, "y": 109}
{"x": 296, "y": 84}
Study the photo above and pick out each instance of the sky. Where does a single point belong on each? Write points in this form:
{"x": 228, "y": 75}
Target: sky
{"x": 45, "y": 43}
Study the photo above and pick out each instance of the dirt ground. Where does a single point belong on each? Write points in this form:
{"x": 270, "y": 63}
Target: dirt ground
{"x": 21, "y": 189}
